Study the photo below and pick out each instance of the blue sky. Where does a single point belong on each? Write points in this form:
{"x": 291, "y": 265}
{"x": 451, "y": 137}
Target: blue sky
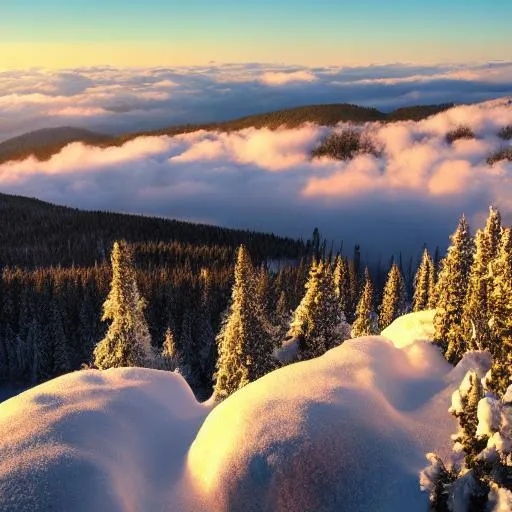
{"x": 153, "y": 32}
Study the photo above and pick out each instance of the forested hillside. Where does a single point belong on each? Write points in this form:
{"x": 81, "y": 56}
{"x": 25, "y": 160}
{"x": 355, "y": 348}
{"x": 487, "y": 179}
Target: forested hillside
{"x": 44, "y": 143}
{"x": 56, "y": 273}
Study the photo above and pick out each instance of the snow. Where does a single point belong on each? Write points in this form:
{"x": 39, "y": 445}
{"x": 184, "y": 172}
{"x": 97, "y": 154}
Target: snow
{"x": 410, "y": 328}
{"x": 489, "y": 415}
{"x": 287, "y": 352}
{"x": 348, "y": 430}
{"x": 114, "y": 440}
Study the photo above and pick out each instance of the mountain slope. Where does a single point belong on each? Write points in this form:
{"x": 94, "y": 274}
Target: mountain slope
{"x": 39, "y": 234}
{"x": 44, "y": 143}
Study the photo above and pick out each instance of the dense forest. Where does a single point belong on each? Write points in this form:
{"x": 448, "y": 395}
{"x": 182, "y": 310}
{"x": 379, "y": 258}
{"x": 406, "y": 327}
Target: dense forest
{"x": 56, "y": 275}
{"x": 46, "y": 142}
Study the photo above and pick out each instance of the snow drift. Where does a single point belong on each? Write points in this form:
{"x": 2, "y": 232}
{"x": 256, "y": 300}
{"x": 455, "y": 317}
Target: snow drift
{"x": 348, "y": 430}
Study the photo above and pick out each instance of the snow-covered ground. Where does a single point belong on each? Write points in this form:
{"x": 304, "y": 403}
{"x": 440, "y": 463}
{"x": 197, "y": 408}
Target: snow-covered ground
{"x": 347, "y": 431}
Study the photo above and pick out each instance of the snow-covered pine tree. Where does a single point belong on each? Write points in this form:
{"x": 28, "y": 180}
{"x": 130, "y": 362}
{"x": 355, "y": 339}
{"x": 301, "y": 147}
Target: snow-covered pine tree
{"x": 451, "y": 292}
{"x": 61, "y": 356}
{"x": 500, "y": 308}
{"x": 170, "y": 357}
{"x": 318, "y": 322}
{"x": 244, "y": 344}
{"x": 280, "y": 319}
{"x": 202, "y": 331}
{"x": 365, "y": 322}
{"x": 394, "y": 299}
{"x": 189, "y": 367}
{"x": 353, "y": 276}
{"x": 127, "y": 342}
{"x": 423, "y": 283}
{"x": 432, "y": 287}
{"x": 342, "y": 283}
{"x": 478, "y": 476}
{"x": 476, "y": 315}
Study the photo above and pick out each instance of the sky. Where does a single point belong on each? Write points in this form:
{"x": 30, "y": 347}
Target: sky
{"x": 63, "y": 33}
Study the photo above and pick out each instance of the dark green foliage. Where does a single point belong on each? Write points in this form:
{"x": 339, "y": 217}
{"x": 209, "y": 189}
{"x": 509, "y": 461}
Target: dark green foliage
{"x": 417, "y": 113}
{"x": 344, "y": 145}
{"x": 506, "y": 132}
{"x": 56, "y": 277}
{"x": 461, "y": 132}
{"x": 504, "y": 153}
{"x": 38, "y": 234}
{"x": 44, "y": 143}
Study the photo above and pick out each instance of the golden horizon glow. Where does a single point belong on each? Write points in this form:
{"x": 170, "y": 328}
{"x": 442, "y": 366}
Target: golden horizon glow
{"x": 58, "y": 55}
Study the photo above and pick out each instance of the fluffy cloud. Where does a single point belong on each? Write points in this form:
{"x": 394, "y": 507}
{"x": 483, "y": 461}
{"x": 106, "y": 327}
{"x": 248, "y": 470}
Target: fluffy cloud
{"x": 261, "y": 179}
{"x": 120, "y": 100}
{"x": 283, "y": 78}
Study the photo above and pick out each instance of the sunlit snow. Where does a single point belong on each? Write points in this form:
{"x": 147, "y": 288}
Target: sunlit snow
{"x": 346, "y": 431}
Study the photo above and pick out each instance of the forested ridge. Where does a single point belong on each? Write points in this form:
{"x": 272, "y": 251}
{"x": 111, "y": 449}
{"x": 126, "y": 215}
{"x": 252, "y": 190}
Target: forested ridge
{"x": 46, "y": 142}
{"x": 56, "y": 274}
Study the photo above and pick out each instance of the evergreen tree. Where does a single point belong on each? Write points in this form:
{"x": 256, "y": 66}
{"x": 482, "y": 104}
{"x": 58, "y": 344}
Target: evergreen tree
{"x": 451, "y": 291}
{"x": 127, "y": 342}
{"x": 394, "y": 300}
{"x": 318, "y": 322}
{"x": 500, "y": 308}
{"x": 244, "y": 344}
{"x": 475, "y": 319}
{"x": 202, "y": 332}
{"x": 353, "y": 277}
{"x": 424, "y": 283}
{"x": 61, "y": 356}
{"x": 170, "y": 356}
{"x": 282, "y": 316}
{"x": 342, "y": 283}
{"x": 470, "y": 394}
{"x": 365, "y": 324}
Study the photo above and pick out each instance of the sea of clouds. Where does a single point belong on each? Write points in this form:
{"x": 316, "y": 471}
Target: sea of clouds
{"x": 259, "y": 179}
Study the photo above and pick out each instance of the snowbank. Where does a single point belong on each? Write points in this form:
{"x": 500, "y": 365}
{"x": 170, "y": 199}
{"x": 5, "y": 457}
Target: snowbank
{"x": 97, "y": 441}
{"x": 410, "y": 328}
{"x": 345, "y": 431}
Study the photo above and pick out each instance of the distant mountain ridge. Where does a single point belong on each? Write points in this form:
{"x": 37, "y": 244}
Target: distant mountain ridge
{"x": 44, "y": 143}
{"x": 41, "y": 143}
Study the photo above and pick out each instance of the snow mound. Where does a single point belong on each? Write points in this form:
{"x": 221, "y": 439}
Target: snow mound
{"x": 346, "y": 431}
{"x": 410, "y": 328}
{"x": 112, "y": 441}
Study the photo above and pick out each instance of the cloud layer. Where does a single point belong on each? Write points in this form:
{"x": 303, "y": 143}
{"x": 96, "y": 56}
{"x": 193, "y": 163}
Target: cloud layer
{"x": 261, "y": 179}
{"x": 120, "y": 100}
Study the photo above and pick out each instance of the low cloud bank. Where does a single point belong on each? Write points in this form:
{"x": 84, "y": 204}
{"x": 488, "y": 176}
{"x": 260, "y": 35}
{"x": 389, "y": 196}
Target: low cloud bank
{"x": 260, "y": 179}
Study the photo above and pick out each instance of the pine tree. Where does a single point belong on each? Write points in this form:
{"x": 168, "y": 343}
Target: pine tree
{"x": 170, "y": 356}
{"x": 244, "y": 344}
{"x": 61, "y": 356}
{"x": 424, "y": 283}
{"x": 342, "y": 283}
{"x": 500, "y": 308}
{"x": 470, "y": 393}
{"x": 365, "y": 324}
{"x": 475, "y": 319}
{"x": 394, "y": 300}
{"x": 353, "y": 277}
{"x": 451, "y": 291}
{"x": 127, "y": 342}
{"x": 202, "y": 332}
{"x": 318, "y": 322}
